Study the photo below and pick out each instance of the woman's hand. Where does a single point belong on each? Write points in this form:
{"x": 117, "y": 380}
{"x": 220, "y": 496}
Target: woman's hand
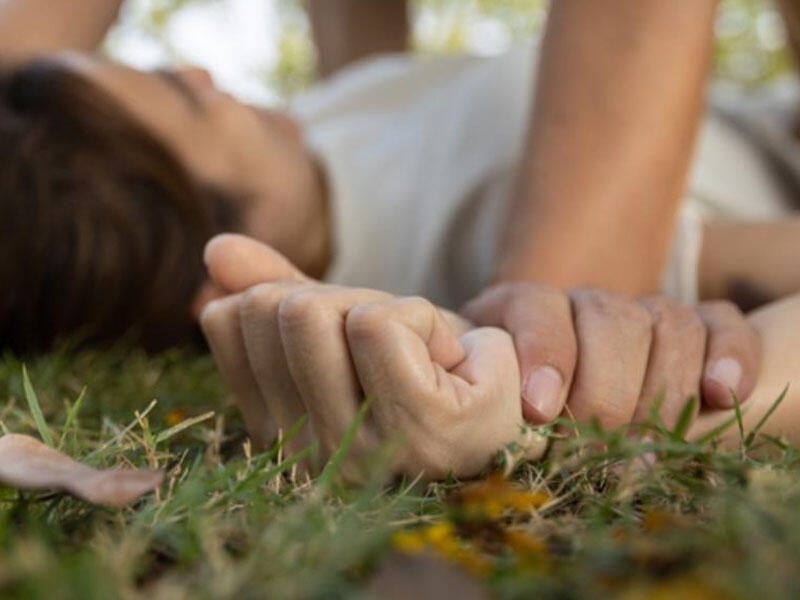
{"x": 605, "y": 355}
{"x": 292, "y": 346}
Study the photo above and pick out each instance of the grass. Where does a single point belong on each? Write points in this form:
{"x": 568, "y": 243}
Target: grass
{"x": 585, "y": 523}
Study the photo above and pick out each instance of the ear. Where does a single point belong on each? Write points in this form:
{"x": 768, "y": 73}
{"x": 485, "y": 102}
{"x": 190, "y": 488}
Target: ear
{"x": 236, "y": 263}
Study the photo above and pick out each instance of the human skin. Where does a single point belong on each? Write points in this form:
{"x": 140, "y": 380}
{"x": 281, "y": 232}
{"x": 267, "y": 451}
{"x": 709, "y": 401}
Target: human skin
{"x": 618, "y": 102}
{"x": 288, "y": 346}
{"x": 619, "y": 96}
{"x": 260, "y": 155}
{"x": 346, "y": 31}
{"x": 571, "y": 224}
{"x": 257, "y": 155}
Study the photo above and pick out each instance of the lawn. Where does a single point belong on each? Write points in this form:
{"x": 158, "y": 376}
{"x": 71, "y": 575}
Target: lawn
{"x": 598, "y": 518}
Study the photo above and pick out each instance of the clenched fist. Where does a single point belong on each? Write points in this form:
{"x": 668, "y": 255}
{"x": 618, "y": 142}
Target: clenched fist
{"x": 602, "y": 354}
{"x": 288, "y": 346}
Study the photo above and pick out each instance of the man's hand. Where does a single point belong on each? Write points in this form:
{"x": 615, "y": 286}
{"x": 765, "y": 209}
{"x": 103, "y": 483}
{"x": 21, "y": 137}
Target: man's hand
{"x": 603, "y": 354}
{"x": 288, "y": 346}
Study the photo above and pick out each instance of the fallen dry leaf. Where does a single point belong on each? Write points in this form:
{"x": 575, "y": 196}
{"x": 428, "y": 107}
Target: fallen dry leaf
{"x": 28, "y": 464}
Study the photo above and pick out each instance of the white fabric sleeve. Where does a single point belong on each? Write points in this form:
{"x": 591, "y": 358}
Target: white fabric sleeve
{"x": 681, "y": 275}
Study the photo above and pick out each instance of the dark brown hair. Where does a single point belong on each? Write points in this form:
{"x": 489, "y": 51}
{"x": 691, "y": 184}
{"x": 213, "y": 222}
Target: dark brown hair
{"x": 101, "y": 227}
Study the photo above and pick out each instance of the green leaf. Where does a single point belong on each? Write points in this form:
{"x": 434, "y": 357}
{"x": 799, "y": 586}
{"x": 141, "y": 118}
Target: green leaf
{"x": 71, "y": 416}
{"x": 712, "y": 434}
{"x": 752, "y": 435}
{"x": 182, "y": 426}
{"x": 35, "y": 408}
{"x": 688, "y": 411}
{"x": 334, "y": 465}
{"x": 737, "y": 407}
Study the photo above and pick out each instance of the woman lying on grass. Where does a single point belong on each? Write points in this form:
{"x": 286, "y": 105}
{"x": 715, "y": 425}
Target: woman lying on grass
{"x": 113, "y": 179}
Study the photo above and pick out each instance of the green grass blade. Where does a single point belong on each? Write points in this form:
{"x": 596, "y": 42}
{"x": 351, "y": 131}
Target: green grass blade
{"x": 688, "y": 411}
{"x": 737, "y": 408}
{"x": 752, "y": 435}
{"x": 182, "y": 426}
{"x": 71, "y": 416}
{"x": 334, "y": 465}
{"x": 35, "y": 408}
{"x": 712, "y": 434}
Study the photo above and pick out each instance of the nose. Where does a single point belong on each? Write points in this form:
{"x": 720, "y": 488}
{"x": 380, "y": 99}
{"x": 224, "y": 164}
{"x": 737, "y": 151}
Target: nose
{"x": 197, "y": 78}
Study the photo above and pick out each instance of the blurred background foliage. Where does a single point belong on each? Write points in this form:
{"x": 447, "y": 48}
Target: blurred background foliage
{"x": 751, "y": 46}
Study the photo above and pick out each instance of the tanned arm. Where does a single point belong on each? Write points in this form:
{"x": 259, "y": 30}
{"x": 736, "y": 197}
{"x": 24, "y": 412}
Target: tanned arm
{"x": 348, "y": 30}
{"x": 32, "y": 27}
{"x": 620, "y": 94}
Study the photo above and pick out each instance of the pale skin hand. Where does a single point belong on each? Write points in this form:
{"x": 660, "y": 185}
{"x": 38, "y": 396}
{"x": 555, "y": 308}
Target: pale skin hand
{"x": 294, "y": 346}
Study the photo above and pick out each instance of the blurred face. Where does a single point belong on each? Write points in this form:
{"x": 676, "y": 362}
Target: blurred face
{"x": 221, "y": 141}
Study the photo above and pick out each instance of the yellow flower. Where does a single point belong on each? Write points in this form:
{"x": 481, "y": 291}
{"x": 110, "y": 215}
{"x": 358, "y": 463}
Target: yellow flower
{"x": 494, "y": 496}
{"x": 410, "y": 542}
{"x": 441, "y": 539}
{"x": 175, "y": 416}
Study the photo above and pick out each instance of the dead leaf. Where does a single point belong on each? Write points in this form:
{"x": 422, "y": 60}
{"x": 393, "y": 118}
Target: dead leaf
{"x": 28, "y": 464}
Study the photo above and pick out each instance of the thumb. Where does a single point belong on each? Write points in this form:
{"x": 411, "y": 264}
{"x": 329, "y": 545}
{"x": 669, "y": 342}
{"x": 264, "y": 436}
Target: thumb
{"x": 236, "y": 262}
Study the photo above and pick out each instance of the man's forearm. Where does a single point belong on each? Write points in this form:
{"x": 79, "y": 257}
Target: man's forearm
{"x": 619, "y": 96}
{"x": 348, "y": 30}
{"x": 32, "y": 27}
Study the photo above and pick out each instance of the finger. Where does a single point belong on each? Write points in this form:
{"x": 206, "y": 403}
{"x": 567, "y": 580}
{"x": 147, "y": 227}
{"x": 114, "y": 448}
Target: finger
{"x": 220, "y": 324}
{"x": 489, "y": 366}
{"x": 312, "y": 329}
{"x": 539, "y": 318}
{"x": 733, "y": 355}
{"x": 236, "y": 262}
{"x": 424, "y": 344}
{"x": 258, "y": 319}
{"x": 614, "y": 335}
{"x": 675, "y": 364}
{"x": 454, "y": 403}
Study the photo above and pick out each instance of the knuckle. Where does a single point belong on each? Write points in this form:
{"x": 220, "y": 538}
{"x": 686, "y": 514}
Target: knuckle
{"x": 537, "y": 298}
{"x": 364, "y": 321}
{"x": 410, "y": 303}
{"x": 260, "y": 298}
{"x": 676, "y": 318}
{"x": 211, "y": 317}
{"x": 297, "y": 308}
{"x": 635, "y": 314}
{"x": 722, "y": 309}
{"x": 617, "y": 307}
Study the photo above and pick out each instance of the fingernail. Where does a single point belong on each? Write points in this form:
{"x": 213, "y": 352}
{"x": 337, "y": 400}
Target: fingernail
{"x": 727, "y": 372}
{"x": 542, "y": 391}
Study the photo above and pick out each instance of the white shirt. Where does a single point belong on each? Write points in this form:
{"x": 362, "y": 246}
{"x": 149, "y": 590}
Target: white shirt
{"x": 421, "y": 155}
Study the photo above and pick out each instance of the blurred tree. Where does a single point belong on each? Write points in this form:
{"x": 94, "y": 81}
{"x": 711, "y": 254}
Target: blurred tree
{"x": 751, "y": 42}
